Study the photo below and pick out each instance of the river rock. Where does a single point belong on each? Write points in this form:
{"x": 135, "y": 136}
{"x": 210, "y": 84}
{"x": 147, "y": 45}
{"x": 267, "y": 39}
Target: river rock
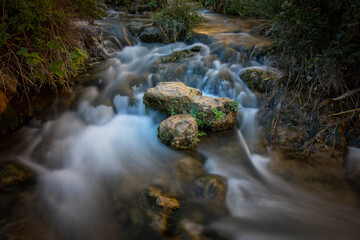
{"x": 177, "y": 55}
{"x": 12, "y": 175}
{"x": 150, "y": 34}
{"x": 177, "y": 98}
{"x": 187, "y": 169}
{"x": 172, "y": 72}
{"x": 196, "y": 49}
{"x": 165, "y": 205}
{"x": 259, "y": 79}
{"x": 179, "y": 131}
{"x": 210, "y": 187}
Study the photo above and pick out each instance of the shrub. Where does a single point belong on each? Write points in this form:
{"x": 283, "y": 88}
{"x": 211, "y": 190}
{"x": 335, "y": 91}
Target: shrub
{"x": 176, "y": 20}
{"x": 318, "y": 42}
{"x": 246, "y": 8}
{"x": 39, "y": 45}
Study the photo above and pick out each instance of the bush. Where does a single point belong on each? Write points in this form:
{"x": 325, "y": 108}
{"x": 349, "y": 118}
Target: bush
{"x": 176, "y": 20}
{"x": 318, "y": 42}
{"x": 246, "y": 8}
{"x": 38, "y": 43}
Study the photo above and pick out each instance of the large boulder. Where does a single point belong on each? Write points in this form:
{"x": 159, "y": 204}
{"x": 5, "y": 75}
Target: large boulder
{"x": 177, "y": 98}
{"x": 179, "y": 131}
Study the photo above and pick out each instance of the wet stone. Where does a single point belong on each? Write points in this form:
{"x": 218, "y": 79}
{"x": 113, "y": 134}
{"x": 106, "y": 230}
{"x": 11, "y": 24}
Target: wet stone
{"x": 210, "y": 187}
{"x": 177, "y": 98}
{"x": 165, "y": 207}
{"x": 179, "y": 132}
{"x": 12, "y": 175}
{"x": 259, "y": 79}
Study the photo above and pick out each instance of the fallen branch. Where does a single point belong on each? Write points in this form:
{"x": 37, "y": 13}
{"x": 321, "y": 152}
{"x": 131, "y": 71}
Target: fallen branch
{"x": 348, "y": 111}
{"x": 347, "y": 94}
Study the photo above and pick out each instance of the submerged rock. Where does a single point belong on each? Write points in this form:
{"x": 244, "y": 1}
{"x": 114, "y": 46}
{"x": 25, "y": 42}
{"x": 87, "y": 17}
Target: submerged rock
{"x": 187, "y": 169}
{"x": 12, "y": 175}
{"x": 210, "y": 187}
{"x": 172, "y": 72}
{"x": 168, "y": 204}
{"x": 165, "y": 205}
{"x": 179, "y": 132}
{"x": 177, "y": 98}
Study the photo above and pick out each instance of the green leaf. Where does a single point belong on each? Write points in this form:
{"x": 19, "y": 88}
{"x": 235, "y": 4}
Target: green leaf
{"x": 57, "y": 64}
{"x": 74, "y": 55}
{"x": 31, "y": 62}
{"x": 22, "y": 51}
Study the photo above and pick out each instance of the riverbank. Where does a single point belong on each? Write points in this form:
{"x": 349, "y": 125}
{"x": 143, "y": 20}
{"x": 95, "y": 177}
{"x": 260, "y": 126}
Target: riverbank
{"x": 44, "y": 46}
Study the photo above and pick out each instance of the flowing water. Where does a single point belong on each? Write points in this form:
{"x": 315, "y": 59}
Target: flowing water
{"x": 93, "y": 162}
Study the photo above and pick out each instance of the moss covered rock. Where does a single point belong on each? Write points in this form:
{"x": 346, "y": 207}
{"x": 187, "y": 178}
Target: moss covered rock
{"x": 177, "y": 55}
{"x": 165, "y": 206}
{"x": 259, "y": 79}
{"x": 179, "y": 131}
{"x": 150, "y": 34}
{"x": 12, "y": 175}
{"x": 177, "y": 98}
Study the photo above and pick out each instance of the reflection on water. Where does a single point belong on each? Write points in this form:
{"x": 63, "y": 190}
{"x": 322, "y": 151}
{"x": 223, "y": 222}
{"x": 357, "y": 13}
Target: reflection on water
{"x": 94, "y": 162}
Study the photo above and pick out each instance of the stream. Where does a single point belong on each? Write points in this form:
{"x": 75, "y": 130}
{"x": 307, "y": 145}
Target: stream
{"x": 93, "y": 163}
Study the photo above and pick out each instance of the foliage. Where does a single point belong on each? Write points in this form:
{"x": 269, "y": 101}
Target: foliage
{"x": 38, "y": 43}
{"x": 246, "y": 8}
{"x": 199, "y": 116}
{"x": 172, "y": 111}
{"x": 219, "y": 115}
{"x": 318, "y": 42}
{"x": 150, "y": 5}
{"x": 176, "y": 20}
{"x": 201, "y": 134}
{"x": 119, "y": 2}
{"x": 234, "y": 106}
